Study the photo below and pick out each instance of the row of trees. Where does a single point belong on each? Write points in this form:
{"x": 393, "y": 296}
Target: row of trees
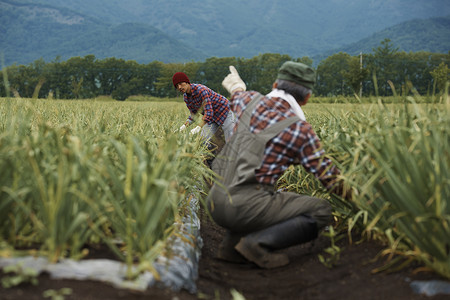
{"x": 381, "y": 71}
{"x": 339, "y": 74}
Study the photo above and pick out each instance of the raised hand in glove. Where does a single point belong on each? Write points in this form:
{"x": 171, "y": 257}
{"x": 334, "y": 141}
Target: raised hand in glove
{"x": 182, "y": 128}
{"x": 196, "y": 130}
{"x": 233, "y": 81}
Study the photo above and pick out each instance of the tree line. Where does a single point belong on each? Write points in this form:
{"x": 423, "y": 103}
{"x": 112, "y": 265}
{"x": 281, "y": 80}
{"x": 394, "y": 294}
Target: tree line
{"x": 384, "y": 72}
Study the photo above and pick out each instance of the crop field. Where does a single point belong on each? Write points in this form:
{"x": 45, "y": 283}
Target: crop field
{"x": 82, "y": 173}
{"x": 86, "y": 172}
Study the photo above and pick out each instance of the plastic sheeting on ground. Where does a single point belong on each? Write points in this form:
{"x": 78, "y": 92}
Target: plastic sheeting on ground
{"x": 431, "y": 287}
{"x": 180, "y": 271}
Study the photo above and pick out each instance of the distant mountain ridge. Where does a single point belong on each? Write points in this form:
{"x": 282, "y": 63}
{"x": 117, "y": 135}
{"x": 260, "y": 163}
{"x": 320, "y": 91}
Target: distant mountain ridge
{"x": 432, "y": 35}
{"x": 248, "y": 28}
{"x": 32, "y": 31}
{"x": 176, "y": 31}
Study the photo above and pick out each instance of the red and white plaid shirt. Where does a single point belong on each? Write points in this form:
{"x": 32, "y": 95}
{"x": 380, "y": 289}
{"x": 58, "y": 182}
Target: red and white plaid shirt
{"x": 215, "y": 106}
{"x": 296, "y": 144}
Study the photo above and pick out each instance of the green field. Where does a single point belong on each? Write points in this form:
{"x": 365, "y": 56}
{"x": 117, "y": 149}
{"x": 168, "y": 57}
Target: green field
{"x": 76, "y": 173}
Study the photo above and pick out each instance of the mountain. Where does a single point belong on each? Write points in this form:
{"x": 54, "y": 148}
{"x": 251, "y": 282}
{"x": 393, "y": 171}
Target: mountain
{"x": 248, "y": 28}
{"x": 180, "y": 31}
{"x": 32, "y": 31}
{"x": 432, "y": 35}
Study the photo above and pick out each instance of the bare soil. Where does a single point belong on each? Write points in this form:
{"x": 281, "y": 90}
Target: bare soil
{"x": 304, "y": 278}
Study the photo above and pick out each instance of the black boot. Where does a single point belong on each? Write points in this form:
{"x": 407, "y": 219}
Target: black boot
{"x": 257, "y": 246}
{"x": 226, "y": 249}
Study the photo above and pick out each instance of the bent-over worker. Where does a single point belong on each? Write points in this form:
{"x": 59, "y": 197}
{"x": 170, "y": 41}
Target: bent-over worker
{"x": 201, "y": 99}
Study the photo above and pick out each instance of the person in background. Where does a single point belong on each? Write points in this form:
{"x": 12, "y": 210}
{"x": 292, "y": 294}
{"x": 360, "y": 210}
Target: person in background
{"x": 270, "y": 135}
{"x": 214, "y": 107}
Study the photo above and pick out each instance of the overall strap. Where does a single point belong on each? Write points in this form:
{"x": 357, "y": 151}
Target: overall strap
{"x": 270, "y": 131}
{"x": 276, "y": 128}
{"x": 244, "y": 122}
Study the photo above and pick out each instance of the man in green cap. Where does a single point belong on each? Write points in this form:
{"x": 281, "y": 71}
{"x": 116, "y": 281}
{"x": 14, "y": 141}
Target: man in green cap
{"x": 270, "y": 135}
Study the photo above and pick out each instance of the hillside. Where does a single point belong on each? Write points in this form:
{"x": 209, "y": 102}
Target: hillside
{"x": 248, "y": 28}
{"x": 172, "y": 31}
{"x": 32, "y": 31}
{"x": 432, "y": 35}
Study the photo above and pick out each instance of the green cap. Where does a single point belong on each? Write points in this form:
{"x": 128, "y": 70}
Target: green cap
{"x": 298, "y": 73}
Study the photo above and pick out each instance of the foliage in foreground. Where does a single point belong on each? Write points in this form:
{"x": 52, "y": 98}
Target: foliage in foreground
{"x": 81, "y": 173}
{"x": 78, "y": 174}
{"x": 396, "y": 160}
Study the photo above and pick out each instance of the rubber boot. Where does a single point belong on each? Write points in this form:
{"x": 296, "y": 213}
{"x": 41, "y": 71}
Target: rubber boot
{"x": 258, "y": 246}
{"x": 226, "y": 250}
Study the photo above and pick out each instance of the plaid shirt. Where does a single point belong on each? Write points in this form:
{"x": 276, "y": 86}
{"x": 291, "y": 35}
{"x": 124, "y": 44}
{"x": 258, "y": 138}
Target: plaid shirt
{"x": 297, "y": 144}
{"x": 212, "y": 105}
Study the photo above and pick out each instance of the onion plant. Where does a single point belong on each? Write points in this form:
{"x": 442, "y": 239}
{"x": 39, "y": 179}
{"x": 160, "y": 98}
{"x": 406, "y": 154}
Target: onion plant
{"x": 396, "y": 160}
{"x": 413, "y": 176}
{"x": 76, "y": 173}
{"x": 81, "y": 172}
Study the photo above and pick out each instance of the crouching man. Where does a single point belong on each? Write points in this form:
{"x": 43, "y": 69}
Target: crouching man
{"x": 271, "y": 134}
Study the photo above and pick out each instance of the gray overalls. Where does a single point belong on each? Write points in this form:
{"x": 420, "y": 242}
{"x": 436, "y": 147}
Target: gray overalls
{"x": 241, "y": 204}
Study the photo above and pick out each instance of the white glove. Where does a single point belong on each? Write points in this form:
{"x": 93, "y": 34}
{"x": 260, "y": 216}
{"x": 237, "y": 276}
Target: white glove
{"x": 196, "y": 130}
{"x": 233, "y": 81}
{"x": 182, "y": 128}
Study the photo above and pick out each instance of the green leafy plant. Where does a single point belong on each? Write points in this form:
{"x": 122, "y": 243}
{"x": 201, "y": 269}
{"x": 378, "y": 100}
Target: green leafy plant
{"x": 73, "y": 176}
{"x": 398, "y": 167}
{"x": 57, "y": 294}
{"x": 413, "y": 178}
{"x": 334, "y": 251}
{"x": 19, "y": 275}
